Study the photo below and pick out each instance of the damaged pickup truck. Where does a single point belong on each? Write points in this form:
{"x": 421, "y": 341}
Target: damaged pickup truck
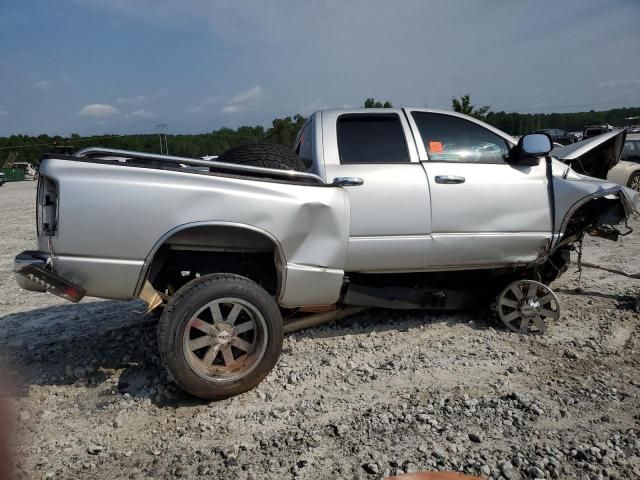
{"x": 397, "y": 208}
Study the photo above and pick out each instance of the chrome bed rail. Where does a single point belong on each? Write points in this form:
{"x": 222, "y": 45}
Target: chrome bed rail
{"x": 291, "y": 175}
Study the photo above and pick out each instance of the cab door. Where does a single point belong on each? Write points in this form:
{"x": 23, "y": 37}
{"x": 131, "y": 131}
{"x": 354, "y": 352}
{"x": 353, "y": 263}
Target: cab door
{"x": 390, "y": 212}
{"x": 485, "y": 211}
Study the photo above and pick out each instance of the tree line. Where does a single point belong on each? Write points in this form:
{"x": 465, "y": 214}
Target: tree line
{"x": 284, "y": 131}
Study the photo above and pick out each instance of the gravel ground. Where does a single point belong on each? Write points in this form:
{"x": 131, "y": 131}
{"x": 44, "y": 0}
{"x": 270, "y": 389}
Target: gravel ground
{"x": 377, "y": 394}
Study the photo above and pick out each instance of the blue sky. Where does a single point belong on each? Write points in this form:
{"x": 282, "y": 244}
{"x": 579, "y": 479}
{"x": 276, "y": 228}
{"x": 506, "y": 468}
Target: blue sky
{"x": 121, "y": 66}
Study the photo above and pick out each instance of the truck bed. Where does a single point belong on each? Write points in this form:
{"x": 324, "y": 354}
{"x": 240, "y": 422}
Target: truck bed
{"x": 128, "y": 158}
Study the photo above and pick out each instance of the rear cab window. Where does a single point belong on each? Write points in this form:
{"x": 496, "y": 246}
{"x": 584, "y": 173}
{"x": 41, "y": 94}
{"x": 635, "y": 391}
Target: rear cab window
{"x": 371, "y": 138}
{"x": 304, "y": 147}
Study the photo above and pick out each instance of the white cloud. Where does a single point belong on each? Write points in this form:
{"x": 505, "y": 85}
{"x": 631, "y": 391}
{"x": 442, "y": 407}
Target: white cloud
{"x": 243, "y": 100}
{"x": 195, "y": 109}
{"x": 143, "y": 113}
{"x": 133, "y": 101}
{"x": 312, "y": 107}
{"x": 98, "y": 110}
{"x": 43, "y": 85}
{"x": 252, "y": 94}
{"x": 139, "y": 100}
{"x": 3, "y": 113}
{"x": 231, "y": 109}
{"x": 619, "y": 83}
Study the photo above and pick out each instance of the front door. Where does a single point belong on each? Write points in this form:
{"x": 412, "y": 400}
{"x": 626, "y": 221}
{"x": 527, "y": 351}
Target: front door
{"x": 485, "y": 211}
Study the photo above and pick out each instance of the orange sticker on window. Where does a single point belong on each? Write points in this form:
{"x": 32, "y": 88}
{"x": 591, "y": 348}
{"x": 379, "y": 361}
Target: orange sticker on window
{"x": 435, "y": 147}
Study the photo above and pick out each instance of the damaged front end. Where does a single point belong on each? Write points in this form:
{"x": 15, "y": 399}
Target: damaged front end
{"x": 584, "y": 201}
{"x": 599, "y": 215}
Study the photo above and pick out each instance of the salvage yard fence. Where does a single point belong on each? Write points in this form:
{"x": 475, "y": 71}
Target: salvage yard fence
{"x": 13, "y": 174}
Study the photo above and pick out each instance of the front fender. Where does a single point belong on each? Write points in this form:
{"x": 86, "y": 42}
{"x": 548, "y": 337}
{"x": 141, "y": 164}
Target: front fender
{"x": 573, "y": 191}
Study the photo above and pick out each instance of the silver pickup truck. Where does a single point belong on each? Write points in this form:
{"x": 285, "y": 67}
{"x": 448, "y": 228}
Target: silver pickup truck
{"x": 396, "y": 208}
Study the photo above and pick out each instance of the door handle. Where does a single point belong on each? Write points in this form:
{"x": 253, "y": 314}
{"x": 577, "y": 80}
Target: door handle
{"x": 449, "y": 179}
{"x": 347, "y": 181}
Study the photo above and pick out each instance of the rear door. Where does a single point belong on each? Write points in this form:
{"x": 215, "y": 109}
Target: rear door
{"x": 390, "y": 213}
{"x": 485, "y": 211}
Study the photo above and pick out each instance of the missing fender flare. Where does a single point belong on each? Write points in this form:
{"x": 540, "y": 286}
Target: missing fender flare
{"x": 609, "y": 232}
{"x": 598, "y": 218}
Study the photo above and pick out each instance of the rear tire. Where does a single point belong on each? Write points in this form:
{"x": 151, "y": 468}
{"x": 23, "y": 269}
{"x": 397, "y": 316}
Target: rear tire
{"x": 220, "y": 335}
{"x": 266, "y": 155}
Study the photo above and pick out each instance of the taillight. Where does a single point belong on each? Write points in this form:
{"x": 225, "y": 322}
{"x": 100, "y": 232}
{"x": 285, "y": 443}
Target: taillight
{"x": 47, "y": 212}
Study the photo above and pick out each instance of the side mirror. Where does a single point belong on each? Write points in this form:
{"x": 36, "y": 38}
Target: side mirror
{"x": 531, "y": 148}
{"x": 536, "y": 144}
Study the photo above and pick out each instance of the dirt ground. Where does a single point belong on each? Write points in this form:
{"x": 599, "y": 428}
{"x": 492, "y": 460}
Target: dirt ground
{"x": 380, "y": 393}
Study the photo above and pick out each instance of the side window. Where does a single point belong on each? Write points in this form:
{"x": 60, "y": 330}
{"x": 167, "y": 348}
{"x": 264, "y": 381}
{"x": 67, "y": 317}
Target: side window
{"x": 453, "y": 139}
{"x": 304, "y": 148}
{"x": 371, "y": 138}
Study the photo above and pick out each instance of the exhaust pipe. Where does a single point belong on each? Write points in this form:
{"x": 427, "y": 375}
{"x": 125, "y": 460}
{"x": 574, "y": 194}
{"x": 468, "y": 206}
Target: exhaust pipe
{"x": 316, "y": 319}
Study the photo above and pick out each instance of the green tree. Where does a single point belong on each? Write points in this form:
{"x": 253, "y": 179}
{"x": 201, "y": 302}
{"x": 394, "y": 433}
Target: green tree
{"x": 373, "y": 103}
{"x": 284, "y": 130}
{"x": 463, "y": 105}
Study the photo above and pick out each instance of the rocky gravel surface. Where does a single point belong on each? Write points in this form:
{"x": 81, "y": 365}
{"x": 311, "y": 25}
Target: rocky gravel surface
{"x": 380, "y": 393}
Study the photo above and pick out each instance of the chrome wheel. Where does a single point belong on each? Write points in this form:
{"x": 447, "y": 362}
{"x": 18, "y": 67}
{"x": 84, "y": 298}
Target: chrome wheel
{"x": 526, "y": 307}
{"x": 225, "y": 340}
{"x": 634, "y": 182}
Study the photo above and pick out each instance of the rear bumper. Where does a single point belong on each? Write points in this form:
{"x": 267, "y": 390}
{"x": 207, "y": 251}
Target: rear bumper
{"x": 29, "y": 258}
{"x": 33, "y": 274}
{"x": 97, "y": 277}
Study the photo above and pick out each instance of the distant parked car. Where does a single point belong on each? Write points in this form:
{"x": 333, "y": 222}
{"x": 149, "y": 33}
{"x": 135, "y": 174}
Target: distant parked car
{"x": 634, "y": 129}
{"x": 557, "y": 135}
{"x": 3, "y": 179}
{"x": 30, "y": 172}
{"x": 631, "y": 151}
{"x": 577, "y": 136}
{"x": 591, "y": 131}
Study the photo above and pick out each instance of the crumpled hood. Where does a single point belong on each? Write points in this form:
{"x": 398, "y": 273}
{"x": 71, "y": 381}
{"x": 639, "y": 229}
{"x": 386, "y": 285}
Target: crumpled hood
{"x": 593, "y": 157}
{"x": 574, "y": 186}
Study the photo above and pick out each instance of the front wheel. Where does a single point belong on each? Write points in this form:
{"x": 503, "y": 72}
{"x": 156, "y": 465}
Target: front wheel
{"x": 634, "y": 181}
{"x": 220, "y": 335}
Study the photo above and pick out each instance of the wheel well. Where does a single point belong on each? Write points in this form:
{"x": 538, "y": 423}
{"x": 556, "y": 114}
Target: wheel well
{"x": 202, "y": 250}
{"x": 596, "y": 212}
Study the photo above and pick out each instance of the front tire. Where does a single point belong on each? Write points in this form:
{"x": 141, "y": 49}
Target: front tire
{"x": 634, "y": 181}
{"x": 220, "y": 335}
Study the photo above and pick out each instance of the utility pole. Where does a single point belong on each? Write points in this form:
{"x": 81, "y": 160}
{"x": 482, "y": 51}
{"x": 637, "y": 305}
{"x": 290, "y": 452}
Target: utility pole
{"x": 161, "y": 128}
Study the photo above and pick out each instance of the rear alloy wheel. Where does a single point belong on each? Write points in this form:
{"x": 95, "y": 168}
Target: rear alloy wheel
{"x": 225, "y": 339}
{"x": 526, "y": 307}
{"x": 634, "y": 181}
{"x": 220, "y": 335}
